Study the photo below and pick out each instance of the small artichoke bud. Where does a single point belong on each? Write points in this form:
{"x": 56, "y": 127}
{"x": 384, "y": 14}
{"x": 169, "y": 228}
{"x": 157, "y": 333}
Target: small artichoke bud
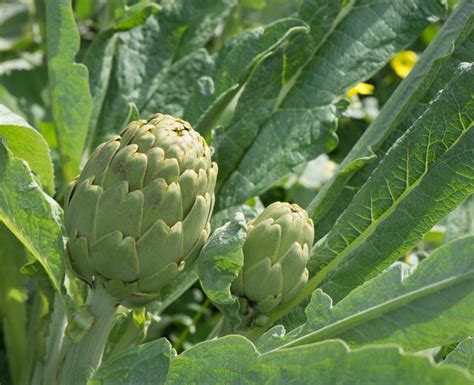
{"x": 139, "y": 212}
{"x": 276, "y": 252}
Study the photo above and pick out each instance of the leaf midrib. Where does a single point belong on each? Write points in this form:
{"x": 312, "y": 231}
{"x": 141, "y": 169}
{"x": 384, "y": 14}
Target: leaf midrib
{"x": 285, "y": 89}
{"x": 315, "y": 281}
{"x": 340, "y": 326}
{"x": 15, "y": 229}
{"x": 442, "y": 47}
{"x": 364, "y": 235}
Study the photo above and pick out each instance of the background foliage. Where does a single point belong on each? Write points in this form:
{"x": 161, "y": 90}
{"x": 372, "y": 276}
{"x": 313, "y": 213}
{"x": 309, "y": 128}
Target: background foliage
{"x": 360, "y": 111}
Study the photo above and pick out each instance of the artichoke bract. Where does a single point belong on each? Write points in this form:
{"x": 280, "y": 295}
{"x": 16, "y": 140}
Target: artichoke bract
{"x": 276, "y": 252}
{"x": 139, "y": 212}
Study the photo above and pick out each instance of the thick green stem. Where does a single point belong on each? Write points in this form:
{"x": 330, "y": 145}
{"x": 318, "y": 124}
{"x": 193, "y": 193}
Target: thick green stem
{"x": 85, "y": 355}
{"x": 195, "y": 320}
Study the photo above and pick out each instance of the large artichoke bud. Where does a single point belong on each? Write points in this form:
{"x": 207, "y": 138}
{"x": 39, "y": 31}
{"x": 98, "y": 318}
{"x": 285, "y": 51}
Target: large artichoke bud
{"x": 139, "y": 212}
{"x": 276, "y": 252}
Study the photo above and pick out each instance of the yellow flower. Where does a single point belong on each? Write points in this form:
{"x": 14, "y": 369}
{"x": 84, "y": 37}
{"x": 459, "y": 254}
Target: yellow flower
{"x": 361, "y": 89}
{"x": 403, "y": 62}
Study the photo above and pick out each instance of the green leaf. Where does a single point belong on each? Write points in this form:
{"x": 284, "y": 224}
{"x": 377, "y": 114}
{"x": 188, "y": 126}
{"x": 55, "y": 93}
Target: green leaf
{"x": 69, "y": 86}
{"x": 222, "y": 217}
{"x": 234, "y": 360}
{"x": 133, "y": 114}
{"x": 428, "y": 308}
{"x": 232, "y": 141}
{"x": 425, "y": 175}
{"x": 176, "y": 289}
{"x": 321, "y": 16}
{"x": 55, "y": 338}
{"x": 25, "y": 94}
{"x": 198, "y": 21}
{"x": 431, "y": 73}
{"x": 136, "y": 14}
{"x": 84, "y": 9}
{"x": 357, "y": 164}
{"x": 463, "y": 355}
{"x": 38, "y": 317}
{"x": 128, "y": 331}
{"x": 98, "y": 59}
{"x": 354, "y": 44}
{"x": 157, "y": 48}
{"x": 221, "y": 260}
{"x": 219, "y": 361}
{"x": 174, "y": 91}
{"x": 332, "y": 362}
{"x": 13, "y": 296}
{"x": 234, "y": 64}
{"x": 15, "y": 29}
{"x": 144, "y": 364}
{"x": 219, "y": 264}
{"x": 28, "y": 144}
{"x": 460, "y": 221}
{"x": 31, "y": 215}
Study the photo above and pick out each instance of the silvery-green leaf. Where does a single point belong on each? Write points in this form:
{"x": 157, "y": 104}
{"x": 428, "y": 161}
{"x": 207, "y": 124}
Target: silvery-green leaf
{"x": 452, "y": 45}
{"x": 429, "y": 308}
{"x": 28, "y": 144}
{"x": 299, "y": 117}
{"x": 462, "y": 355}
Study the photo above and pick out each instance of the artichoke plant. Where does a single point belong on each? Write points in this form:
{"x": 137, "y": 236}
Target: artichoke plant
{"x": 139, "y": 212}
{"x": 276, "y": 252}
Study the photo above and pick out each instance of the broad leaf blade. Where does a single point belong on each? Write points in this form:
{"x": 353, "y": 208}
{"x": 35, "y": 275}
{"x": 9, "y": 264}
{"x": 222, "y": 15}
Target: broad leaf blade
{"x": 55, "y": 338}
{"x": 154, "y": 48}
{"x": 30, "y": 214}
{"x": 220, "y": 361}
{"x": 136, "y": 14}
{"x": 174, "y": 91}
{"x": 13, "y": 298}
{"x": 427, "y": 173}
{"x": 428, "y": 308}
{"x": 234, "y": 360}
{"x": 25, "y": 93}
{"x": 98, "y": 59}
{"x": 463, "y": 355}
{"x": 432, "y": 71}
{"x": 129, "y": 330}
{"x": 69, "y": 86}
{"x": 413, "y": 107}
{"x": 219, "y": 264}
{"x": 332, "y": 362}
{"x": 234, "y": 63}
{"x": 198, "y": 22}
{"x": 221, "y": 260}
{"x": 459, "y": 222}
{"x": 231, "y": 142}
{"x": 301, "y": 124}
{"x": 28, "y": 144}
{"x": 144, "y": 364}
{"x": 424, "y": 176}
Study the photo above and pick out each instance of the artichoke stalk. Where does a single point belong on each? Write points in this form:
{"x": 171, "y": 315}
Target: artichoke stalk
{"x": 136, "y": 217}
{"x": 276, "y": 252}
